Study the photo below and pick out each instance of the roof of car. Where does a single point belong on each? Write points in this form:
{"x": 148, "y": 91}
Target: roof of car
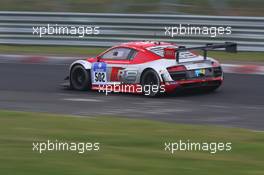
{"x": 144, "y": 44}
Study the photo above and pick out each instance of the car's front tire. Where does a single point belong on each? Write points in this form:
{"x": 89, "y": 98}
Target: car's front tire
{"x": 80, "y": 78}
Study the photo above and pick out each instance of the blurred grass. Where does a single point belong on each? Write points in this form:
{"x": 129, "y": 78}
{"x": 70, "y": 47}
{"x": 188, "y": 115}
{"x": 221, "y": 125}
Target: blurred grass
{"x": 92, "y": 51}
{"x": 127, "y": 146}
{"x": 202, "y": 7}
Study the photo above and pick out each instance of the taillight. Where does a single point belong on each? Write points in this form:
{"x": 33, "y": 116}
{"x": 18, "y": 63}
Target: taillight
{"x": 176, "y": 68}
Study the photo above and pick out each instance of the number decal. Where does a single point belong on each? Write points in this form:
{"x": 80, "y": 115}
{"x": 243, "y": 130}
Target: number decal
{"x": 99, "y": 73}
{"x": 99, "y": 77}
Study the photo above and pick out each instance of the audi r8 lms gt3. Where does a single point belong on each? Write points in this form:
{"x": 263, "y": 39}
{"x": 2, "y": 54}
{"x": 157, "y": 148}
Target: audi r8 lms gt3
{"x": 148, "y": 67}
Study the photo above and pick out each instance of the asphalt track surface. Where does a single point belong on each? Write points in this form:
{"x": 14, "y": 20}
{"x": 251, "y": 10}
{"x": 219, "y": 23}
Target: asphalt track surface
{"x": 35, "y": 87}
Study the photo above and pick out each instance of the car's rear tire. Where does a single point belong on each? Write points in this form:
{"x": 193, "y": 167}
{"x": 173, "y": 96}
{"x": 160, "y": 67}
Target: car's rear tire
{"x": 80, "y": 78}
{"x": 150, "y": 79}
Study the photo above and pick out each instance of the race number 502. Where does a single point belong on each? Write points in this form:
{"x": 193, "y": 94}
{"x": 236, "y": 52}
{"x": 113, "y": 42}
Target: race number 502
{"x": 99, "y": 73}
{"x": 100, "y": 77}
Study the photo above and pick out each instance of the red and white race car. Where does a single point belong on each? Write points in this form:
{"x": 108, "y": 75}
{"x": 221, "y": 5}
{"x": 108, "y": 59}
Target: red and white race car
{"x": 148, "y": 67}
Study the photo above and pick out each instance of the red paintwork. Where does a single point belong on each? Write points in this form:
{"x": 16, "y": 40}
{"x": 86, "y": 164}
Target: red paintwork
{"x": 142, "y": 56}
{"x": 169, "y": 53}
{"x": 114, "y": 73}
{"x": 176, "y": 68}
{"x": 200, "y": 80}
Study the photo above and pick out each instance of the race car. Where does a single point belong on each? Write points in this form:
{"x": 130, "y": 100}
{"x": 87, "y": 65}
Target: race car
{"x": 149, "y": 67}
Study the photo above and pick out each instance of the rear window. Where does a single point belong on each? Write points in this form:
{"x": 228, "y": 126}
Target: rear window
{"x": 159, "y": 50}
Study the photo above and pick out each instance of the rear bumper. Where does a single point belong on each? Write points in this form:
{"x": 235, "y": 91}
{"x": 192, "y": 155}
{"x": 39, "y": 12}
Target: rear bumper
{"x": 193, "y": 83}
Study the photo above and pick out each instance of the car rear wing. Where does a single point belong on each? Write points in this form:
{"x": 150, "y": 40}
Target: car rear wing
{"x": 175, "y": 52}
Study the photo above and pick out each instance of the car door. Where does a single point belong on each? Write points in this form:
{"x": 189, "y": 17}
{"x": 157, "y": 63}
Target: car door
{"x": 117, "y": 60}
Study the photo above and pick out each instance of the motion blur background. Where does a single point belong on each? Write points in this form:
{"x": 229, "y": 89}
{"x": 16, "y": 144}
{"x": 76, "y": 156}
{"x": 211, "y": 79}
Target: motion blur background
{"x": 202, "y": 7}
{"x": 116, "y": 26}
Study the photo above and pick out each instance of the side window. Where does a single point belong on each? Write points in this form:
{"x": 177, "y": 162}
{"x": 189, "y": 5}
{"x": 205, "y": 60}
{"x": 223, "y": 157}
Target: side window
{"x": 119, "y": 54}
{"x": 132, "y": 54}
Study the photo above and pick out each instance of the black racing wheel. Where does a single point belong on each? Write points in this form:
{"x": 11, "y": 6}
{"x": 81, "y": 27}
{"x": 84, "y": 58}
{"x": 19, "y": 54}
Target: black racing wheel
{"x": 80, "y": 78}
{"x": 150, "y": 83}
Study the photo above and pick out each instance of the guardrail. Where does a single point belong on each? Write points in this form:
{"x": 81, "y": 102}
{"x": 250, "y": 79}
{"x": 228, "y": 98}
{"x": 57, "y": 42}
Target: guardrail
{"x": 16, "y": 28}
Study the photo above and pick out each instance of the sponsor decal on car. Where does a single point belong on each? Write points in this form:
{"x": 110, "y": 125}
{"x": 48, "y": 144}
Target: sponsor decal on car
{"x": 199, "y": 72}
